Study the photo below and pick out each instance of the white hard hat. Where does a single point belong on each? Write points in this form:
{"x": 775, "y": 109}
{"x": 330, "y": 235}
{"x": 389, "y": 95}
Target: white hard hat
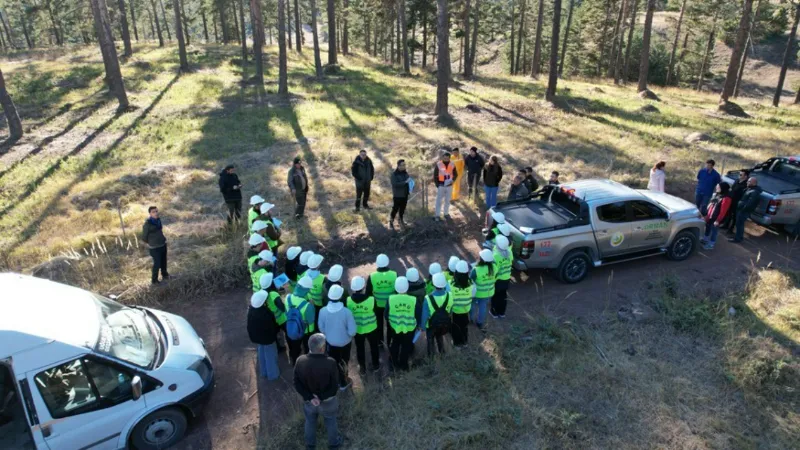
{"x": 258, "y": 225}
{"x": 256, "y": 199}
{"x": 256, "y": 239}
{"x": 487, "y": 255}
{"x": 266, "y": 280}
{"x": 412, "y": 275}
{"x": 304, "y": 257}
{"x": 305, "y": 282}
{"x": 293, "y": 252}
{"x": 401, "y": 285}
{"x": 258, "y": 299}
{"x": 265, "y": 207}
{"x": 501, "y": 242}
{"x": 505, "y": 229}
{"x": 462, "y": 267}
{"x": 451, "y": 264}
{"x": 315, "y": 261}
{"x": 357, "y": 284}
{"x": 266, "y": 255}
{"x": 434, "y": 268}
{"x": 335, "y": 272}
{"x": 335, "y": 293}
{"x": 439, "y": 280}
{"x": 382, "y": 261}
{"x": 499, "y": 217}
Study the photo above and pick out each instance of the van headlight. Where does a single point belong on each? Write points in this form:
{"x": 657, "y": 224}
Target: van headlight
{"x": 203, "y": 368}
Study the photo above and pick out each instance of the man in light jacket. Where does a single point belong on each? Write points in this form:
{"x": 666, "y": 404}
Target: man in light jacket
{"x": 339, "y": 326}
{"x": 363, "y": 172}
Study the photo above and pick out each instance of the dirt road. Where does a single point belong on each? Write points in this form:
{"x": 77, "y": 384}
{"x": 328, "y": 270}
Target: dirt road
{"x": 243, "y": 407}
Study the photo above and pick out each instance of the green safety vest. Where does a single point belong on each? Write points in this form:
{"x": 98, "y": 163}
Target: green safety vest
{"x": 251, "y": 217}
{"x": 317, "y": 289}
{"x": 272, "y": 243}
{"x": 250, "y": 261}
{"x": 502, "y": 265}
{"x": 294, "y": 301}
{"x": 364, "y": 315}
{"x": 446, "y": 300}
{"x": 484, "y": 282}
{"x": 429, "y": 288}
{"x": 448, "y": 276}
{"x": 255, "y": 277}
{"x": 383, "y": 286}
{"x": 401, "y": 313}
{"x": 462, "y": 299}
{"x": 280, "y": 316}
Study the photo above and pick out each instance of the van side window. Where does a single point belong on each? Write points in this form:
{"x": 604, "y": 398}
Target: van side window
{"x": 612, "y": 213}
{"x": 646, "y": 211}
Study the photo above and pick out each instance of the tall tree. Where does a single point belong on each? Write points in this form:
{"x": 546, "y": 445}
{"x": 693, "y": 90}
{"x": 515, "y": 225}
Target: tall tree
{"x": 401, "y": 7}
{"x": 126, "y": 34}
{"x": 615, "y": 40}
{"x": 205, "y": 23}
{"x": 709, "y": 48}
{"x": 671, "y": 66}
{"x": 244, "y": 31}
{"x": 513, "y": 19}
{"x": 747, "y": 43}
{"x": 736, "y": 55}
{"x": 109, "y": 52}
{"x": 258, "y": 39}
{"x": 332, "y": 59}
{"x": 566, "y": 38}
{"x": 185, "y": 22}
{"x": 158, "y": 25}
{"x": 166, "y": 22}
{"x": 298, "y": 27}
{"x": 442, "y": 60}
{"x": 176, "y": 8}
{"x": 14, "y": 124}
{"x": 602, "y": 45}
{"x": 283, "y": 74}
{"x": 644, "y": 59}
{"x": 223, "y": 23}
{"x": 618, "y": 61}
{"x": 626, "y": 69}
{"x": 787, "y": 58}
{"x": 315, "y": 36}
{"x": 520, "y": 35}
{"x": 424, "y": 37}
{"x": 133, "y": 21}
{"x": 550, "y": 94}
{"x": 346, "y": 27}
{"x": 467, "y": 37}
{"x": 474, "y": 43}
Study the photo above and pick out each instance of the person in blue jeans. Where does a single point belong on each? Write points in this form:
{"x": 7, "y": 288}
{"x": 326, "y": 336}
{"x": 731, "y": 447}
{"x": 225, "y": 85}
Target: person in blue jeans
{"x": 483, "y": 278}
{"x": 749, "y": 202}
{"x": 707, "y": 180}
{"x": 492, "y": 174}
{"x": 316, "y": 379}
{"x": 263, "y": 331}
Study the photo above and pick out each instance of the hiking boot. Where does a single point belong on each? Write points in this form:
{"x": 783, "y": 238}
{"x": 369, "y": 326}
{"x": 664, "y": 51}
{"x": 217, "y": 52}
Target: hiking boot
{"x": 391, "y": 224}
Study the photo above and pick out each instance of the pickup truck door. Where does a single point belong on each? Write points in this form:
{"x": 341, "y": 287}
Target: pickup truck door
{"x": 612, "y": 229}
{"x": 650, "y": 225}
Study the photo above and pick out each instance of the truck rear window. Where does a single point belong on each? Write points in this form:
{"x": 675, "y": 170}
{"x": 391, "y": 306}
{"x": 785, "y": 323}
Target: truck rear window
{"x": 786, "y": 171}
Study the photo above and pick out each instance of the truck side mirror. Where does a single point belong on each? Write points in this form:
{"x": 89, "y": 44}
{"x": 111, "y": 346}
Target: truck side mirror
{"x": 136, "y": 387}
{"x": 667, "y": 216}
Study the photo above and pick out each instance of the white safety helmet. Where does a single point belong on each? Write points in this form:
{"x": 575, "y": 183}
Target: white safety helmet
{"x": 434, "y": 268}
{"x": 266, "y": 255}
{"x": 266, "y": 280}
{"x": 401, "y": 285}
{"x": 357, "y": 284}
{"x": 335, "y": 293}
{"x": 487, "y": 255}
{"x": 335, "y": 272}
{"x": 451, "y": 264}
{"x": 305, "y": 282}
{"x": 315, "y": 261}
{"x": 256, "y": 239}
{"x": 265, "y": 207}
{"x": 305, "y": 256}
{"x": 505, "y": 229}
{"x": 501, "y": 242}
{"x": 462, "y": 267}
{"x": 256, "y": 199}
{"x": 412, "y": 275}
{"x": 258, "y": 225}
{"x": 293, "y": 252}
{"x": 440, "y": 281}
{"x": 258, "y": 299}
{"x": 499, "y": 217}
{"x": 382, "y": 261}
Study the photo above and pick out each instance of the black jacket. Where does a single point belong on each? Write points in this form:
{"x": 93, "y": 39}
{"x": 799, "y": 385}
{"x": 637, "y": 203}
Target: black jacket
{"x": 316, "y": 374}
{"x": 531, "y": 184}
{"x": 153, "y": 234}
{"x": 226, "y": 183}
{"x": 474, "y": 165}
{"x": 518, "y": 191}
{"x": 737, "y": 191}
{"x": 358, "y": 298}
{"x": 363, "y": 171}
{"x": 399, "y": 184}
{"x": 297, "y": 179}
{"x": 290, "y": 269}
{"x": 492, "y": 174}
{"x": 750, "y": 200}
{"x": 261, "y": 325}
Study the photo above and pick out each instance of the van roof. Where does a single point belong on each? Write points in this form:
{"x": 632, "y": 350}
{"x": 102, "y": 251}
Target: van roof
{"x": 599, "y": 189}
{"x": 34, "y": 311}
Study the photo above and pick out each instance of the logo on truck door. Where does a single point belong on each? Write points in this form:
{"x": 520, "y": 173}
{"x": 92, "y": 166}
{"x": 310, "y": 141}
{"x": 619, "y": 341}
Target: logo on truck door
{"x": 617, "y": 239}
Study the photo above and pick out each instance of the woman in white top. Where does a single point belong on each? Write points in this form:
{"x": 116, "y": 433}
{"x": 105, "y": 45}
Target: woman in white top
{"x": 657, "y": 177}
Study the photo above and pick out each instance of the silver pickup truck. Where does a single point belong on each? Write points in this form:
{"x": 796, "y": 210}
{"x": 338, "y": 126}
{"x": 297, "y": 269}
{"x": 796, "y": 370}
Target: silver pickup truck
{"x": 574, "y": 226}
{"x": 780, "y": 199}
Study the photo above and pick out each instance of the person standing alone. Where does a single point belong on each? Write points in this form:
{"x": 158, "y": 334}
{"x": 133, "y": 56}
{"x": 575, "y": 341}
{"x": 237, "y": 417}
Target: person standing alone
{"x": 153, "y": 236}
{"x": 363, "y": 172}
{"x": 492, "y": 174}
{"x": 231, "y": 189}
{"x": 657, "y": 177}
{"x": 474, "y": 163}
{"x": 444, "y": 174}
{"x": 400, "y": 191}
{"x": 298, "y": 184}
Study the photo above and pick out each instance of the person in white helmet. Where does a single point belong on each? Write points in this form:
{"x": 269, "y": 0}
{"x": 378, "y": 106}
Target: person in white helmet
{"x": 255, "y": 209}
{"x": 484, "y": 277}
{"x": 303, "y": 266}
{"x": 291, "y": 264}
{"x": 433, "y": 269}
{"x": 300, "y": 318}
{"x": 276, "y": 305}
{"x": 451, "y": 269}
{"x": 262, "y": 266}
{"x": 503, "y": 260}
{"x": 401, "y": 315}
{"x": 461, "y": 288}
{"x": 381, "y": 285}
{"x": 334, "y": 277}
{"x": 363, "y": 307}
{"x": 416, "y": 286}
{"x": 263, "y": 331}
{"x": 492, "y": 229}
{"x": 255, "y": 245}
{"x": 316, "y": 294}
{"x": 271, "y": 232}
{"x": 339, "y": 326}
{"x": 436, "y": 314}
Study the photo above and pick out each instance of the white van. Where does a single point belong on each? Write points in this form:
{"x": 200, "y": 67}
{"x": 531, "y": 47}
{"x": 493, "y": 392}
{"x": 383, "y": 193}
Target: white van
{"x": 79, "y": 371}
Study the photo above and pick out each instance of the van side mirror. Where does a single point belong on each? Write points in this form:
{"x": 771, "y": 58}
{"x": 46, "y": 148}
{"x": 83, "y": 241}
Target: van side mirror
{"x": 136, "y": 387}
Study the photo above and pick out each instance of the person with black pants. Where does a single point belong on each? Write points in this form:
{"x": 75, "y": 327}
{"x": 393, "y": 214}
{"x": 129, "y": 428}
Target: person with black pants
{"x": 364, "y": 312}
{"x": 474, "y": 162}
{"x": 737, "y": 191}
{"x": 363, "y": 172}
{"x": 153, "y": 237}
{"x": 400, "y": 191}
{"x": 231, "y": 189}
{"x": 298, "y": 184}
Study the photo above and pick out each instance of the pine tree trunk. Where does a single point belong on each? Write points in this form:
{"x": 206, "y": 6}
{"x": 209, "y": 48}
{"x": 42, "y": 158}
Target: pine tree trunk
{"x": 467, "y": 62}
{"x": 602, "y": 45}
{"x": 298, "y": 27}
{"x": 56, "y": 28}
{"x": 682, "y": 55}
{"x": 398, "y": 37}
{"x": 109, "y": 51}
{"x": 346, "y": 28}
{"x": 205, "y": 24}
{"x": 537, "y": 44}
{"x": 644, "y": 59}
{"x": 512, "y": 70}
{"x": 626, "y": 71}
{"x": 787, "y": 58}
{"x": 424, "y": 38}
{"x": 671, "y": 66}
{"x": 176, "y": 9}
{"x": 615, "y": 40}
{"x": 236, "y": 33}
{"x": 244, "y": 30}
{"x": 289, "y": 24}
{"x": 222, "y": 21}
{"x": 283, "y": 74}
{"x": 550, "y": 95}
{"x": 747, "y": 43}
{"x": 185, "y": 23}
{"x": 736, "y": 55}
{"x": 258, "y": 39}
{"x": 12, "y": 117}
{"x": 709, "y": 48}
{"x": 150, "y": 19}
{"x": 158, "y": 25}
{"x": 315, "y": 36}
{"x": 166, "y": 22}
{"x": 404, "y": 37}
{"x": 7, "y": 27}
{"x": 520, "y": 35}
{"x": 133, "y": 21}
{"x": 618, "y": 58}
{"x": 126, "y": 34}
{"x": 332, "y": 58}
{"x": 216, "y": 30}
{"x": 474, "y": 47}
{"x": 442, "y": 60}
{"x": 566, "y": 38}
{"x": 27, "y": 32}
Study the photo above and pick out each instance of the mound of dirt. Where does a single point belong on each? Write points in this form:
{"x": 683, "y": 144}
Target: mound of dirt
{"x": 596, "y": 90}
{"x": 58, "y": 269}
{"x": 696, "y": 137}
{"x": 732, "y": 109}
{"x": 473, "y": 108}
{"x": 648, "y": 109}
{"x": 647, "y": 94}
{"x": 331, "y": 69}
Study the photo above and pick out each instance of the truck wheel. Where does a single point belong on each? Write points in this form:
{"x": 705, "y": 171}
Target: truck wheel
{"x": 159, "y": 430}
{"x": 574, "y": 267}
{"x": 682, "y": 246}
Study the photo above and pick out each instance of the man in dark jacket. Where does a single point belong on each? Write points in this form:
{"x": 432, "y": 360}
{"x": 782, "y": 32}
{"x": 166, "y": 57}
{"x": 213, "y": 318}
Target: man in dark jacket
{"x": 153, "y": 237}
{"x": 749, "y": 202}
{"x": 316, "y": 379}
{"x": 530, "y": 181}
{"x": 263, "y": 331}
{"x": 298, "y": 184}
{"x": 363, "y": 172}
{"x": 231, "y": 190}
{"x": 400, "y": 191}
{"x": 474, "y": 162}
{"x": 737, "y": 191}
{"x": 518, "y": 190}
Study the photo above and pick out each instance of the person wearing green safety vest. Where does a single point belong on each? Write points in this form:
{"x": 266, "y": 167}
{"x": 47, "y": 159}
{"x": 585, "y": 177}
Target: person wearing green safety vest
{"x": 451, "y": 269}
{"x": 462, "y": 303}
{"x": 276, "y": 306}
{"x": 503, "y": 259}
{"x": 255, "y": 209}
{"x": 381, "y": 286}
{"x": 483, "y": 275}
{"x": 401, "y": 316}
{"x": 253, "y": 250}
{"x": 363, "y": 307}
{"x": 436, "y": 311}
{"x": 316, "y": 295}
{"x": 309, "y": 313}
{"x": 262, "y": 266}
{"x": 433, "y": 269}
{"x": 271, "y": 232}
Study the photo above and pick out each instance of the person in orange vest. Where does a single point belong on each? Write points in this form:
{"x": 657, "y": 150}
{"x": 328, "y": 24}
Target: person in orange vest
{"x": 458, "y": 161}
{"x": 444, "y": 174}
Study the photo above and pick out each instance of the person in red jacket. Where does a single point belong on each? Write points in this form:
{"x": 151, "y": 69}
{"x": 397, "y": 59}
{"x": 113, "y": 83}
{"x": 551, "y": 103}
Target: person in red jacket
{"x": 716, "y": 212}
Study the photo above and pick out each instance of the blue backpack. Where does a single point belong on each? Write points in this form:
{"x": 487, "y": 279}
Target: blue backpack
{"x": 295, "y": 322}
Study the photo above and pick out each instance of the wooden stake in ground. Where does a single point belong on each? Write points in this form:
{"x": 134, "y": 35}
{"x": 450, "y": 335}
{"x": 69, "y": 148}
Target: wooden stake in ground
{"x": 442, "y": 60}
{"x": 736, "y": 55}
{"x": 109, "y": 51}
{"x": 787, "y": 57}
{"x": 14, "y": 124}
{"x": 550, "y": 95}
{"x": 176, "y": 6}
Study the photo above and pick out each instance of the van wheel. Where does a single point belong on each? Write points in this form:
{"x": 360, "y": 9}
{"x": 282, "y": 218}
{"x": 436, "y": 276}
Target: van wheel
{"x": 574, "y": 267}
{"x": 682, "y": 246}
{"x": 159, "y": 430}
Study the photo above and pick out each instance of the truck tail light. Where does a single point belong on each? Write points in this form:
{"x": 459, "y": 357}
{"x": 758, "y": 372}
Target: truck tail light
{"x": 773, "y": 206}
{"x": 527, "y": 249}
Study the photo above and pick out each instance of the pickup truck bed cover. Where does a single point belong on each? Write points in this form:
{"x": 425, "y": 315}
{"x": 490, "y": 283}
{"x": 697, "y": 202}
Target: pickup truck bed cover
{"x": 773, "y": 184}
{"x": 535, "y": 214}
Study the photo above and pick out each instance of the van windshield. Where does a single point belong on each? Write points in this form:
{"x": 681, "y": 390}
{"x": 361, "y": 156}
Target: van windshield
{"x": 125, "y": 333}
